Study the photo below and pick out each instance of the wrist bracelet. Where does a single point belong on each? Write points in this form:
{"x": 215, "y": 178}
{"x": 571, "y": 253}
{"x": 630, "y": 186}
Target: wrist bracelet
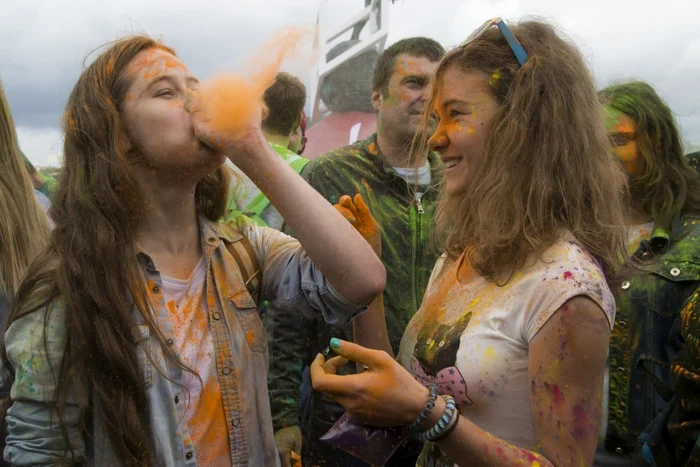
{"x": 437, "y": 431}
{"x": 449, "y": 428}
{"x": 414, "y": 427}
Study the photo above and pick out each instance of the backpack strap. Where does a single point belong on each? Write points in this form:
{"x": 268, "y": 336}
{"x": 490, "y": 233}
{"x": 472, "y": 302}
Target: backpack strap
{"x": 244, "y": 255}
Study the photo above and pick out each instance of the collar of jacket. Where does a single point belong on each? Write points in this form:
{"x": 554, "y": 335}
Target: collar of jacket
{"x": 371, "y": 147}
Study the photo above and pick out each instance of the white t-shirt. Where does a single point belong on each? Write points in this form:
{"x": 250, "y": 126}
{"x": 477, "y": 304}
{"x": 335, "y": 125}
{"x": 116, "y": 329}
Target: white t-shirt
{"x": 187, "y": 303}
{"x": 473, "y": 340}
{"x": 413, "y": 177}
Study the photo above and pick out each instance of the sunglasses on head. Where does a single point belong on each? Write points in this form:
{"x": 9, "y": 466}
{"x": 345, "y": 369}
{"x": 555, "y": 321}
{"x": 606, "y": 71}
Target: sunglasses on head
{"x": 515, "y": 46}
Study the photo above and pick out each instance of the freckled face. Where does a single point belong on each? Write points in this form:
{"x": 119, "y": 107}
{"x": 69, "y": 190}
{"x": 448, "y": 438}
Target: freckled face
{"x": 400, "y": 111}
{"x": 465, "y": 107}
{"x": 156, "y": 117}
{"x": 622, "y": 131}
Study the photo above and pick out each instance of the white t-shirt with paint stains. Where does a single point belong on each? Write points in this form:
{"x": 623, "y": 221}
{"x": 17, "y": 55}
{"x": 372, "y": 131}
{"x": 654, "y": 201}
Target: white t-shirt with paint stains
{"x": 193, "y": 341}
{"x": 473, "y": 340}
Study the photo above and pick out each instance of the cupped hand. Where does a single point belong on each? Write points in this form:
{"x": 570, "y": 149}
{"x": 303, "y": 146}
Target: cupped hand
{"x": 226, "y": 121}
{"x": 385, "y": 394}
{"x": 358, "y": 214}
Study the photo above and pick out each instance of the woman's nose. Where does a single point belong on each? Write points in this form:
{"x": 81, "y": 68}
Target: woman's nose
{"x": 438, "y": 141}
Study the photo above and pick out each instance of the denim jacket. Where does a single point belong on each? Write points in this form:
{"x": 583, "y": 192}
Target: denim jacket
{"x": 647, "y": 325}
{"x": 290, "y": 280}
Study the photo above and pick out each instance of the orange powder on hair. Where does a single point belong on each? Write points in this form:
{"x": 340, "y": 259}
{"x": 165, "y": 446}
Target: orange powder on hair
{"x": 232, "y": 99}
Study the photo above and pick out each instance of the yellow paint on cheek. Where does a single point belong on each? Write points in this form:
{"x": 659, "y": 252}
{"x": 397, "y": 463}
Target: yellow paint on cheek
{"x": 495, "y": 76}
{"x": 471, "y": 130}
{"x": 536, "y": 464}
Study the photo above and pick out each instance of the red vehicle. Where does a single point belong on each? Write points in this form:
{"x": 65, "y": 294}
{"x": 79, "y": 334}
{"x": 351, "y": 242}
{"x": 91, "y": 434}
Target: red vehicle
{"x": 342, "y": 112}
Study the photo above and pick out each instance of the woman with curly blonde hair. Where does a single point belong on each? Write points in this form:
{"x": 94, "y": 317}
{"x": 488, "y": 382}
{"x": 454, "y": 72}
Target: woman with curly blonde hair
{"x": 514, "y": 326}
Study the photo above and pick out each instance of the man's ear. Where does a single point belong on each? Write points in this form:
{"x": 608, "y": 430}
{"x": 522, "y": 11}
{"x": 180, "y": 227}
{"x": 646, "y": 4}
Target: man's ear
{"x": 377, "y": 99}
{"x": 297, "y": 122}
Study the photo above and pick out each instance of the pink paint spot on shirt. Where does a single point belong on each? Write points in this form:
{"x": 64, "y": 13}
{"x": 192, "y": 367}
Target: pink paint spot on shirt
{"x": 568, "y": 275}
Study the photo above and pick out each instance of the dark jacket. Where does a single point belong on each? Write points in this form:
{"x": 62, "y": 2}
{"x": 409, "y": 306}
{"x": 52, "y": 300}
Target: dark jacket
{"x": 648, "y": 326}
{"x": 406, "y": 254}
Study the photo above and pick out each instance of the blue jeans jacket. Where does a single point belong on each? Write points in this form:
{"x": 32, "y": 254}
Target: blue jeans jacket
{"x": 647, "y": 326}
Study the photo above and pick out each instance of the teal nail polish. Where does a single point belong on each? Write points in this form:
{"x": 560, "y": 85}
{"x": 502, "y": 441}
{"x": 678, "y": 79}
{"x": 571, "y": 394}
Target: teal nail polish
{"x": 335, "y": 343}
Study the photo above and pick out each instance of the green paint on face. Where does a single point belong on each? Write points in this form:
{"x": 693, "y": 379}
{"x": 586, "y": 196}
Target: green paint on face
{"x": 390, "y": 100}
{"x": 612, "y": 117}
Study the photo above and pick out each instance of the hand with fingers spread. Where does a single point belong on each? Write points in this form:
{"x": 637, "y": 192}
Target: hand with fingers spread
{"x": 359, "y": 215}
{"x": 383, "y": 395}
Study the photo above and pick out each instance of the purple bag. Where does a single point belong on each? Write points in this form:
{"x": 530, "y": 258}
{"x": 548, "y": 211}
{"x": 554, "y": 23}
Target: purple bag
{"x": 372, "y": 444}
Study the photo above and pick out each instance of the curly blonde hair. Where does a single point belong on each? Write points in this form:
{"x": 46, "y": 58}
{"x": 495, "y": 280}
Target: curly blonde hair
{"x": 548, "y": 163}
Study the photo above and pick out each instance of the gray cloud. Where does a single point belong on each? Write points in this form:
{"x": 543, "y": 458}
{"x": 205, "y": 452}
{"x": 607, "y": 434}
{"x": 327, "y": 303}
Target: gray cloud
{"x": 43, "y": 44}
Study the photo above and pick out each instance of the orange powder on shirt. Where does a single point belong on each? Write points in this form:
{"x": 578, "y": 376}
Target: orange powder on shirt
{"x": 233, "y": 98}
{"x": 208, "y": 422}
{"x": 206, "y": 418}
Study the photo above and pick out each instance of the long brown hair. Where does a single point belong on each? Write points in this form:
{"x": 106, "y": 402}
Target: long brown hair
{"x": 669, "y": 185}
{"x": 90, "y": 267}
{"x": 24, "y": 227}
{"x": 547, "y": 164}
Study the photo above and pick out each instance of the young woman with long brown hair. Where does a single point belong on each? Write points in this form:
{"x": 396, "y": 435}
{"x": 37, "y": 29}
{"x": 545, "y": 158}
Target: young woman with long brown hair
{"x": 135, "y": 339}
{"x": 24, "y": 227}
{"x": 663, "y": 219}
{"x": 514, "y": 327}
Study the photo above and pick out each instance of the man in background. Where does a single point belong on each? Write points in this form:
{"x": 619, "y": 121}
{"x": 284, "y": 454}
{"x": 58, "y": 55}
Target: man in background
{"x": 401, "y": 189}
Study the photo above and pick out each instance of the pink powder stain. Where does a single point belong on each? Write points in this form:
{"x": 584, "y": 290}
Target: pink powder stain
{"x": 568, "y": 275}
{"x": 582, "y": 424}
{"x": 502, "y": 453}
{"x": 530, "y": 456}
{"x": 556, "y": 392}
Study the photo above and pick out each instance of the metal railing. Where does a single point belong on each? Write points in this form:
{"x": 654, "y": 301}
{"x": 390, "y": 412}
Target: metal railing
{"x": 375, "y": 16}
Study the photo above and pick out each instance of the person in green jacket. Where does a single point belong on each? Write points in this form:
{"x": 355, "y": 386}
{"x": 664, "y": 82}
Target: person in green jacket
{"x": 401, "y": 189}
{"x": 285, "y": 101}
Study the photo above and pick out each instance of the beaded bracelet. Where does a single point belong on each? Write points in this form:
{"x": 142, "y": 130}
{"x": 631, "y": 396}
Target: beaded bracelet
{"x": 414, "y": 427}
{"x": 437, "y": 431}
{"x": 449, "y": 428}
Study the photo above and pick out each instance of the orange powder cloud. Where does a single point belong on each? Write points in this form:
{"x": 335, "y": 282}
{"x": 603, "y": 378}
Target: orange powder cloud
{"x": 233, "y": 98}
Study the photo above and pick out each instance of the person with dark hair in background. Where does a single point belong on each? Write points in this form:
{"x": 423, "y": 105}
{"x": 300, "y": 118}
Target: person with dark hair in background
{"x": 401, "y": 190}
{"x": 663, "y": 218}
{"x": 285, "y": 101}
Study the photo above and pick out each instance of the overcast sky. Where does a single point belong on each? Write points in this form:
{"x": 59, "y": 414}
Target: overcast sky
{"x": 43, "y": 44}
